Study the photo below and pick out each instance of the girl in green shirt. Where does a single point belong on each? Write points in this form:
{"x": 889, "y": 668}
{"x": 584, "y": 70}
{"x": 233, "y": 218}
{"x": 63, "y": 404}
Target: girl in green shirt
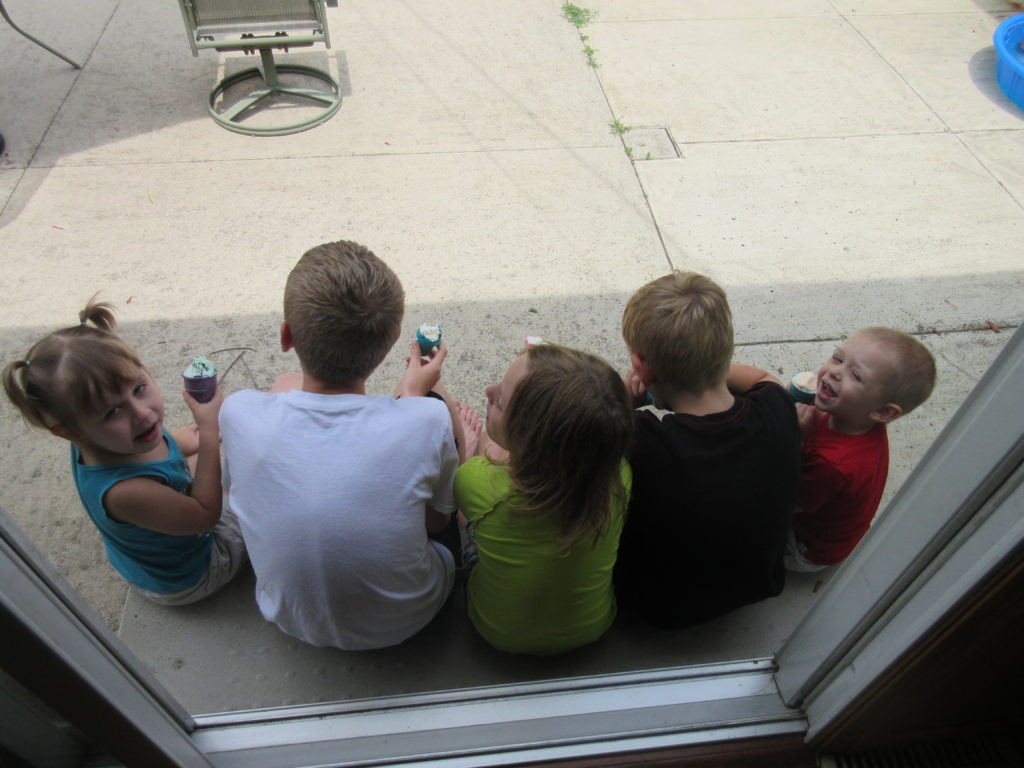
{"x": 546, "y": 502}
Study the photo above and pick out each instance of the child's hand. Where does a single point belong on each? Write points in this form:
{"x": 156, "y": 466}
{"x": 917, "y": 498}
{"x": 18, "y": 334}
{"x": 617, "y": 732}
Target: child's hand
{"x": 205, "y": 414}
{"x": 807, "y": 416}
{"x": 187, "y": 439}
{"x": 421, "y": 375}
{"x": 635, "y": 387}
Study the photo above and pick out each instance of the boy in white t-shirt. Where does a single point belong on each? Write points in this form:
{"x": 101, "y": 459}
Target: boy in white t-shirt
{"x": 336, "y": 490}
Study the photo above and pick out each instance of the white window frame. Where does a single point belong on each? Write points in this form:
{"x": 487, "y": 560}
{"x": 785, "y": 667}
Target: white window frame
{"x": 960, "y": 513}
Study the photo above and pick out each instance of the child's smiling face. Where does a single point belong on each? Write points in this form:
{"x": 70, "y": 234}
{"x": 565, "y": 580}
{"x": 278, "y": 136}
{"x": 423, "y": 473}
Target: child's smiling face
{"x": 498, "y": 396}
{"x": 852, "y": 384}
{"x": 126, "y": 426}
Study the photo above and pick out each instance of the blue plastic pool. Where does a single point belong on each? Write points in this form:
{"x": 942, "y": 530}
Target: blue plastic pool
{"x": 1010, "y": 58}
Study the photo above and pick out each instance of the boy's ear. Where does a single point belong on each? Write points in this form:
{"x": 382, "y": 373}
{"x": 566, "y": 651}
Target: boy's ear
{"x": 61, "y": 431}
{"x": 640, "y": 367}
{"x": 286, "y": 337}
{"x": 885, "y": 414}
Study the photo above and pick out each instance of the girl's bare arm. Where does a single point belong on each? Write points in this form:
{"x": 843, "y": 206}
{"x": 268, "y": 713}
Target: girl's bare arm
{"x": 148, "y": 503}
{"x": 206, "y": 488}
{"x": 741, "y": 378}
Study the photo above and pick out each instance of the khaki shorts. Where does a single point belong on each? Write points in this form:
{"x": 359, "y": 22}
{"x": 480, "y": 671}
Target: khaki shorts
{"x": 227, "y": 555}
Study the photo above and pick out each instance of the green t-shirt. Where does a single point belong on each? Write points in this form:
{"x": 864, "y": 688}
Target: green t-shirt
{"x": 527, "y": 592}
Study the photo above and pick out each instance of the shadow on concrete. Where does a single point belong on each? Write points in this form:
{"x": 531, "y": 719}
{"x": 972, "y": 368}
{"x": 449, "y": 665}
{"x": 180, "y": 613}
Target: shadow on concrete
{"x": 138, "y": 77}
{"x": 980, "y": 68}
{"x": 221, "y": 655}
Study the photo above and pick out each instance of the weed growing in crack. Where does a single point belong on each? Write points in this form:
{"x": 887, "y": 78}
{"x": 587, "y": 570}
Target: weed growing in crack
{"x": 618, "y": 128}
{"x": 578, "y": 17}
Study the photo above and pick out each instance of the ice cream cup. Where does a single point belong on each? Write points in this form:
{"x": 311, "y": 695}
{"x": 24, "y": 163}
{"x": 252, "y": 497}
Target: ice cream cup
{"x": 200, "y": 379}
{"x": 428, "y": 337}
{"x": 803, "y": 386}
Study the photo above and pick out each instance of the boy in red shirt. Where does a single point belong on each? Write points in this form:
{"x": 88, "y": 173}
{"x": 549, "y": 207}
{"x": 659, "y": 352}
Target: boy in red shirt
{"x": 873, "y": 378}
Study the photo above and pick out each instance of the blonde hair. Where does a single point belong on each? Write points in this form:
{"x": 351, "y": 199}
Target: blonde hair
{"x": 568, "y": 426}
{"x": 65, "y": 374}
{"x": 682, "y": 326}
{"x": 344, "y": 307}
{"x": 912, "y": 375}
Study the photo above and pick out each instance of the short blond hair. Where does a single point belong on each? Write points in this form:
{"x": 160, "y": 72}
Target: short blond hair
{"x": 911, "y": 378}
{"x": 682, "y": 326}
{"x": 344, "y": 307}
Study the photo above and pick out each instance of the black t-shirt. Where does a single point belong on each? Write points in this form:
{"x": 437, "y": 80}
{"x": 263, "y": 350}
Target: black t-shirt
{"x": 710, "y": 510}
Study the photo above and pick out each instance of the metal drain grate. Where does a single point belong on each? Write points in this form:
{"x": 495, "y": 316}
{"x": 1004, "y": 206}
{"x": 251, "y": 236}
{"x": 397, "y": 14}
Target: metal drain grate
{"x": 979, "y": 752}
{"x": 650, "y": 143}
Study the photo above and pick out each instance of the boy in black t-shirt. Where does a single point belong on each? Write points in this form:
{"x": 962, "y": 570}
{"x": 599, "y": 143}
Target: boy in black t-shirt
{"x": 714, "y": 480}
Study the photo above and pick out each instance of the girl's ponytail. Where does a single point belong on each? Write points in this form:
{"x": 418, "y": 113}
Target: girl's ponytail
{"x": 99, "y": 313}
{"x": 14, "y": 376}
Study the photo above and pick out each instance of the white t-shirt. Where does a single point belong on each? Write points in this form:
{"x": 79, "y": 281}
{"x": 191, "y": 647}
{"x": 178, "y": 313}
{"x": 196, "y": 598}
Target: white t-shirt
{"x": 330, "y": 491}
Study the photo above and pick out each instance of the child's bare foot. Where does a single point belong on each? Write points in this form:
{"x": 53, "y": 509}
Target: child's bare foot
{"x": 472, "y": 428}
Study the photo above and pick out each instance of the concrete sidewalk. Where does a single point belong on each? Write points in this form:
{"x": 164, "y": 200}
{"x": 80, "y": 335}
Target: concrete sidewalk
{"x": 832, "y": 167}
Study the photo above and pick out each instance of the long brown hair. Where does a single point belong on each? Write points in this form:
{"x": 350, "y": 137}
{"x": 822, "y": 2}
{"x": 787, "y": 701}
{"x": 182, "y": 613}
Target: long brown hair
{"x": 568, "y": 426}
{"x": 66, "y": 373}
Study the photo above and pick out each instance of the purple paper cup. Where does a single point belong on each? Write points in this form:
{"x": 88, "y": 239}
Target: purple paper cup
{"x": 201, "y": 387}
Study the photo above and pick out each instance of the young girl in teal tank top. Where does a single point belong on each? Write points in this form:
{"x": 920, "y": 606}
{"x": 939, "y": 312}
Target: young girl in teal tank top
{"x": 162, "y": 525}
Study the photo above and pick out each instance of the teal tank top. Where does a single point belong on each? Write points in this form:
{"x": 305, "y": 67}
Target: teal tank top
{"x": 159, "y": 562}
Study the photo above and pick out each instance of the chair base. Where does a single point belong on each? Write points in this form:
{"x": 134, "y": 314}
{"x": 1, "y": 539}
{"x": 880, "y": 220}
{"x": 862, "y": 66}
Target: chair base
{"x": 234, "y": 116}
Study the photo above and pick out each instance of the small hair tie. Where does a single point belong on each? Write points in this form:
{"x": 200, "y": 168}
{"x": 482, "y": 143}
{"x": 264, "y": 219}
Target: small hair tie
{"x": 82, "y": 322}
{"x": 28, "y": 363}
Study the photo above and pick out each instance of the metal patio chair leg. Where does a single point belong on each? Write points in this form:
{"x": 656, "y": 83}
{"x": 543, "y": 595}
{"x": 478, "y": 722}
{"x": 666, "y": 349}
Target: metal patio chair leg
{"x": 20, "y": 31}
{"x": 233, "y": 117}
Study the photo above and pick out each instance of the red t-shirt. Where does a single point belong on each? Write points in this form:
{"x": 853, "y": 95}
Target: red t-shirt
{"x": 841, "y": 482}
